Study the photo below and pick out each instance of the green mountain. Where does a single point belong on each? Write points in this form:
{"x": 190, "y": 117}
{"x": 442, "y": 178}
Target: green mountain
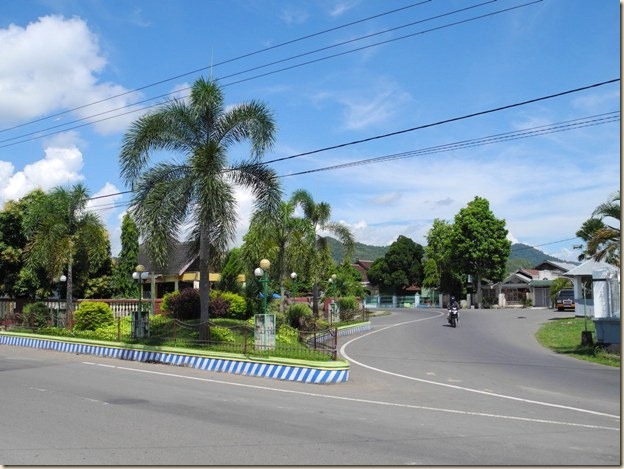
{"x": 361, "y": 251}
{"x": 522, "y": 255}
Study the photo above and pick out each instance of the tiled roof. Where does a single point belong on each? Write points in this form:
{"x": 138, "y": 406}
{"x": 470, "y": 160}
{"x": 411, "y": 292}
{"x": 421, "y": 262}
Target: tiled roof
{"x": 180, "y": 260}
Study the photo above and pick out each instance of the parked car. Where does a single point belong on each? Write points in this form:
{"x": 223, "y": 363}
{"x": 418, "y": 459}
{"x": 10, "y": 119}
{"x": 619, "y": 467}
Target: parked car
{"x": 565, "y": 299}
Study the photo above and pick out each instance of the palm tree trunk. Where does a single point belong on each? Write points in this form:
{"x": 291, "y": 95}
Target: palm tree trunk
{"x": 315, "y": 298}
{"x": 69, "y": 303}
{"x": 204, "y": 288}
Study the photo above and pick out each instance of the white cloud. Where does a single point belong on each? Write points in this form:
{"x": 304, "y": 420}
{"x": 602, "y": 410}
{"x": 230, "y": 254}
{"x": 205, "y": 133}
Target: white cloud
{"x": 342, "y": 7}
{"x": 59, "y": 166}
{"x": 367, "y": 109}
{"x": 53, "y": 64}
{"x": 294, "y": 14}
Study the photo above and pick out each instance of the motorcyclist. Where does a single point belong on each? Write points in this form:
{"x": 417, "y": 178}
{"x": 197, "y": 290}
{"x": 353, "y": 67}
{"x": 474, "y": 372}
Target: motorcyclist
{"x": 452, "y": 304}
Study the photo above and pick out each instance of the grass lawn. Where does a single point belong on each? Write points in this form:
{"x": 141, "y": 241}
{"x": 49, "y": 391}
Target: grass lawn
{"x": 564, "y": 336}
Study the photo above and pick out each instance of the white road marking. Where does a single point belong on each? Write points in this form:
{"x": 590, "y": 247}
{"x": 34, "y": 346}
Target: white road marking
{"x": 353, "y": 399}
{"x": 460, "y": 388}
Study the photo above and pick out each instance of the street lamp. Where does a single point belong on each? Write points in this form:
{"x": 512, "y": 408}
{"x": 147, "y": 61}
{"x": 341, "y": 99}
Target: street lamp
{"x": 332, "y": 283}
{"x": 139, "y": 275}
{"x": 265, "y": 264}
{"x": 264, "y": 323}
{"x": 293, "y": 276}
{"x": 61, "y": 279}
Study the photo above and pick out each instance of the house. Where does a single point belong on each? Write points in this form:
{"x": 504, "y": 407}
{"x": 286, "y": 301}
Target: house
{"x": 362, "y": 267}
{"x": 530, "y": 285}
{"x": 180, "y": 272}
{"x": 597, "y": 295}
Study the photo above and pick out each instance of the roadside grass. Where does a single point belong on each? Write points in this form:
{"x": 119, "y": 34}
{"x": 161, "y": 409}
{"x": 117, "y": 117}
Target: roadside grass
{"x": 564, "y": 336}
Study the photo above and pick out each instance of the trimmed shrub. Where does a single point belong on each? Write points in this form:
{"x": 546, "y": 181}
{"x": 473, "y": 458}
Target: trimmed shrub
{"x": 348, "y": 308}
{"x": 35, "y": 315}
{"x": 299, "y": 315}
{"x": 224, "y": 304}
{"x": 287, "y": 335}
{"x": 185, "y": 305}
{"x": 160, "y": 325}
{"x": 221, "y": 334}
{"x": 165, "y": 306}
{"x": 237, "y": 305}
{"x": 218, "y": 306}
{"x": 92, "y": 315}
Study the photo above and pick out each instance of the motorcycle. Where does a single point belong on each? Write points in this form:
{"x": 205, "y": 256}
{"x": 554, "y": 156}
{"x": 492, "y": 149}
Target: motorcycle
{"x": 453, "y": 316}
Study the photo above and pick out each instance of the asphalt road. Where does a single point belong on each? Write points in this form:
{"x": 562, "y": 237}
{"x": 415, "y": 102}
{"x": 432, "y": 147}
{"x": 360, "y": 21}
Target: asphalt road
{"x": 420, "y": 393}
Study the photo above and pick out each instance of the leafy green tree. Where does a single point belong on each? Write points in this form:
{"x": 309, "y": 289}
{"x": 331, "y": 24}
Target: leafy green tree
{"x": 123, "y": 284}
{"x": 480, "y": 244}
{"x": 232, "y": 268}
{"x": 199, "y": 190}
{"x": 349, "y": 281}
{"x": 317, "y": 216}
{"x": 59, "y": 231}
{"x": 12, "y": 244}
{"x": 603, "y": 240}
{"x": 400, "y": 268}
{"x": 280, "y": 237}
{"x": 438, "y": 268}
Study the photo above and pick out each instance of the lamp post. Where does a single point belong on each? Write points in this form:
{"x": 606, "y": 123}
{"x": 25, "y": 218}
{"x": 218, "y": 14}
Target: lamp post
{"x": 139, "y": 275}
{"x": 265, "y": 264}
{"x": 332, "y": 285}
{"x": 293, "y": 276}
{"x": 61, "y": 279}
{"x": 263, "y": 328}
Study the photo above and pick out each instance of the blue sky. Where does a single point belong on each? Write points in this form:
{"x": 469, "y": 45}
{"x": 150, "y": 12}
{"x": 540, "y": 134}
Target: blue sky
{"x": 75, "y": 73}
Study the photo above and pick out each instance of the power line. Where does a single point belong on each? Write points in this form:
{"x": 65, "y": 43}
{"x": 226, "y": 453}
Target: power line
{"x": 309, "y": 62}
{"x": 243, "y": 56}
{"x": 519, "y": 134}
{"x": 446, "y": 121}
{"x": 563, "y": 126}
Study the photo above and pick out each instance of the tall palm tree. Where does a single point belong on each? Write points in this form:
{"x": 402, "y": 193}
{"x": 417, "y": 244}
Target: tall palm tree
{"x": 198, "y": 190}
{"x": 278, "y": 237}
{"x": 57, "y": 226}
{"x": 318, "y": 216}
{"x": 604, "y": 242}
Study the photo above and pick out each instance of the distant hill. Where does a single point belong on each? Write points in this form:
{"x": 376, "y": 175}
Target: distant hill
{"x": 362, "y": 251}
{"x": 535, "y": 256}
{"x": 522, "y": 255}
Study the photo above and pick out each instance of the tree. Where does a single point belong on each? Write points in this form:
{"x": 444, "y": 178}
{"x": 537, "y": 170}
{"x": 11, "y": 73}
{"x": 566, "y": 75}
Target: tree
{"x": 123, "y": 284}
{"x": 278, "y": 237}
{"x": 232, "y": 268}
{"x": 12, "y": 244}
{"x": 603, "y": 240}
{"x": 438, "y": 267}
{"x": 480, "y": 244}
{"x": 349, "y": 281}
{"x": 198, "y": 191}
{"x": 317, "y": 216}
{"x": 60, "y": 230}
{"x": 400, "y": 268}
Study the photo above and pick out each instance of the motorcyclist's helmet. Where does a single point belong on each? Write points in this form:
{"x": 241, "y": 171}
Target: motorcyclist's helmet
{"x": 452, "y": 298}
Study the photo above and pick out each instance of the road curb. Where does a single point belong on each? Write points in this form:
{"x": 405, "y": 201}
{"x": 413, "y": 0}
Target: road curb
{"x": 282, "y": 369}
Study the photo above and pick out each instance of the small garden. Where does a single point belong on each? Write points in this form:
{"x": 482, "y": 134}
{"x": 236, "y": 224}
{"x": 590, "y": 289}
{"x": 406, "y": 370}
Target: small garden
{"x": 298, "y": 334}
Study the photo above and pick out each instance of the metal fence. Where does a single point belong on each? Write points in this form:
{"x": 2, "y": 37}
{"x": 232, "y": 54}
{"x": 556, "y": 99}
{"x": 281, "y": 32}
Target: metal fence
{"x": 159, "y": 330}
{"x": 406, "y": 301}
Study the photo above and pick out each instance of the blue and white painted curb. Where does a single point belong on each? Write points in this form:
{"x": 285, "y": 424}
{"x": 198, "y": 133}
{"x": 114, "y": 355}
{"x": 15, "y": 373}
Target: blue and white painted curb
{"x": 298, "y": 373}
{"x": 348, "y": 330}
